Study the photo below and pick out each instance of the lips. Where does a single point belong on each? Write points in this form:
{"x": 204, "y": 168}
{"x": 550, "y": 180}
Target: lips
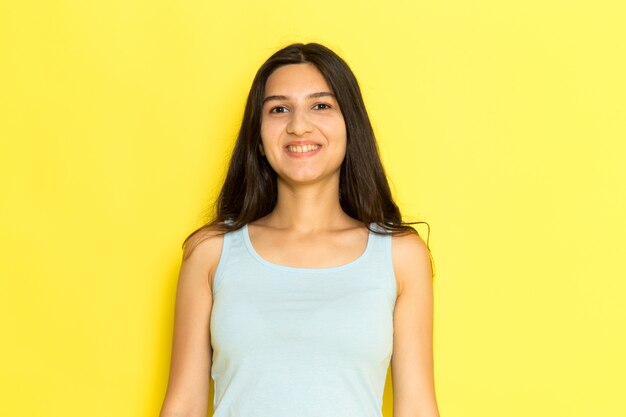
{"x": 302, "y": 149}
{"x": 302, "y": 143}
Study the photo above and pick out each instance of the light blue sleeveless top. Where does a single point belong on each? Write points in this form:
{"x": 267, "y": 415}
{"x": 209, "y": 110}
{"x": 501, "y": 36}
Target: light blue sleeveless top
{"x": 301, "y": 342}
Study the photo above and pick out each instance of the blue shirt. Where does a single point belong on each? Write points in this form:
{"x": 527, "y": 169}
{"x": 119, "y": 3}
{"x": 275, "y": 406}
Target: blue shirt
{"x": 301, "y": 342}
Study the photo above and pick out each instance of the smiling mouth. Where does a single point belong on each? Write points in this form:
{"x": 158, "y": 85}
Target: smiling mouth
{"x": 302, "y": 149}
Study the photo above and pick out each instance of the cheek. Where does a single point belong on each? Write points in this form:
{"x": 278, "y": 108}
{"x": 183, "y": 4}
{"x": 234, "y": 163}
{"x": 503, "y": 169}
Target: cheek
{"x": 265, "y": 135}
{"x": 337, "y": 130}
{"x": 270, "y": 130}
{"x": 344, "y": 140}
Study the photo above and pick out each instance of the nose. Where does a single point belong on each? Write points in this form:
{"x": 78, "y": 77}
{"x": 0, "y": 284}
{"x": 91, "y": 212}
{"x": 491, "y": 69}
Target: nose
{"x": 299, "y": 123}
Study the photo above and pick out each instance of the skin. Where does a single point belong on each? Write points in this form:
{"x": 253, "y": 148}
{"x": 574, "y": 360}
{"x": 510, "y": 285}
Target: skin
{"x": 307, "y": 228}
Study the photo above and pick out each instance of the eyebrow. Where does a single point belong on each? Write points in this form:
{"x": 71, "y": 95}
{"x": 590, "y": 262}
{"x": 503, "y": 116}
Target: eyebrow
{"x": 313, "y": 95}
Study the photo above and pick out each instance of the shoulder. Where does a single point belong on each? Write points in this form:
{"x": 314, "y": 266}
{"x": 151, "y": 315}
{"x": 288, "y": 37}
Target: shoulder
{"x": 411, "y": 261}
{"x": 203, "y": 240}
{"x": 202, "y": 250}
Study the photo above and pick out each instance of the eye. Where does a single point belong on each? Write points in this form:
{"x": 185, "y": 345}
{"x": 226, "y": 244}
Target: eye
{"x": 323, "y": 106}
{"x": 278, "y": 109}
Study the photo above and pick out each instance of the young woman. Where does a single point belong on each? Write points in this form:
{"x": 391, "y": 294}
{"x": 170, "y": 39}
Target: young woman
{"x": 307, "y": 284}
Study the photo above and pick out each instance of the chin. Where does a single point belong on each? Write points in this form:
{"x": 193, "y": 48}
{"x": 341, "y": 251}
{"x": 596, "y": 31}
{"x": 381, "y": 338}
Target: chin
{"x": 301, "y": 180}
{"x": 306, "y": 179}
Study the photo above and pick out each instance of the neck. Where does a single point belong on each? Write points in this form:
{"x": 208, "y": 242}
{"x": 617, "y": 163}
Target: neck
{"x": 308, "y": 208}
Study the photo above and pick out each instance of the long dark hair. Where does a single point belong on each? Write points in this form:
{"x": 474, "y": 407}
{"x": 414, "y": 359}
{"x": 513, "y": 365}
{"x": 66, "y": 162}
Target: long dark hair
{"x": 249, "y": 191}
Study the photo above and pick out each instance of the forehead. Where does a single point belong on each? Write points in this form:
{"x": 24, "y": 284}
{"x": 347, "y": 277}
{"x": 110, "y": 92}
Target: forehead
{"x": 296, "y": 79}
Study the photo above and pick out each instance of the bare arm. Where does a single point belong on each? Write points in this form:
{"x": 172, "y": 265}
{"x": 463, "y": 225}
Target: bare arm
{"x": 190, "y": 369}
{"x": 412, "y": 359}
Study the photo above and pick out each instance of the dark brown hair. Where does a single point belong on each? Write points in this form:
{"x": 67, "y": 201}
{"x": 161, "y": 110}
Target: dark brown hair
{"x": 249, "y": 191}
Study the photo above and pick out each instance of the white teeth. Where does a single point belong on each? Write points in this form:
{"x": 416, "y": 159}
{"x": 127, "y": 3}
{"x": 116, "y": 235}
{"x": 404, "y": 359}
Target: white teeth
{"x": 301, "y": 149}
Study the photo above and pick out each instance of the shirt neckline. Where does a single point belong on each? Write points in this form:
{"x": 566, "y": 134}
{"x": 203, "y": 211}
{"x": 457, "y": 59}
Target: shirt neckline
{"x": 255, "y": 254}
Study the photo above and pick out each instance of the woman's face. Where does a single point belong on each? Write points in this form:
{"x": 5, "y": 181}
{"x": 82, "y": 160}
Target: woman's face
{"x": 302, "y": 128}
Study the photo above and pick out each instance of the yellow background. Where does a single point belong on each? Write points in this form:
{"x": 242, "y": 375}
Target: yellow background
{"x": 502, "y": 124}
